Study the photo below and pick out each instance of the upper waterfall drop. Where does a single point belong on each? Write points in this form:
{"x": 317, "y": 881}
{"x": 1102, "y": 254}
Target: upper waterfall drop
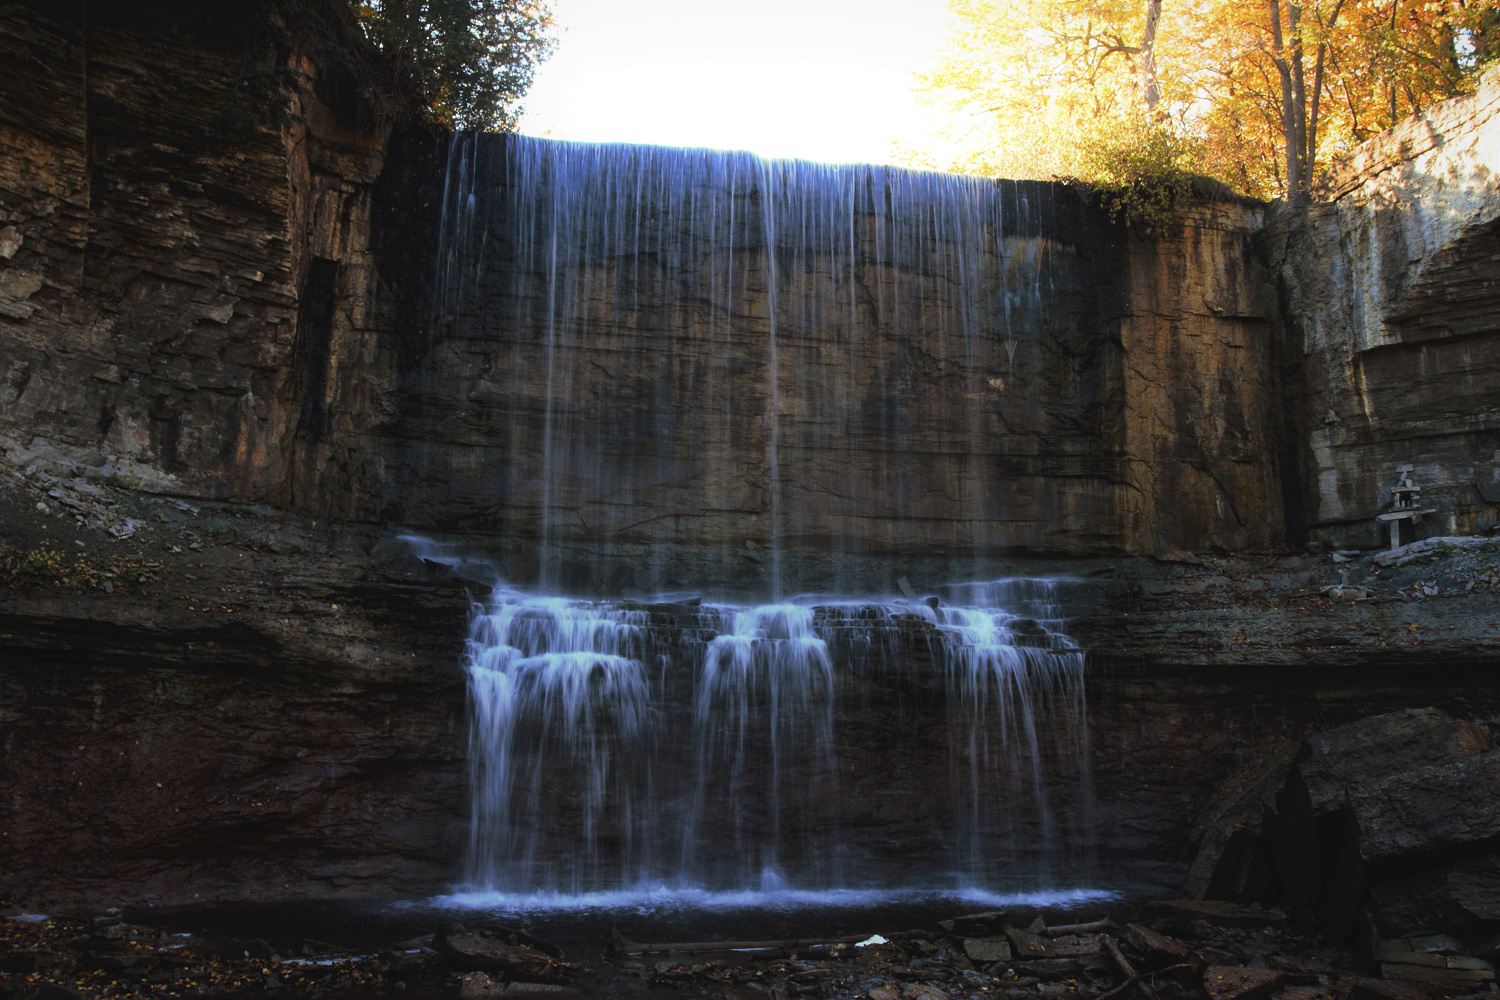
{"x": 700, "y": 369}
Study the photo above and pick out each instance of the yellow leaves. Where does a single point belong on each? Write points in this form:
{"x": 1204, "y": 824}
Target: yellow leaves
{"x": 1019, "y": 87}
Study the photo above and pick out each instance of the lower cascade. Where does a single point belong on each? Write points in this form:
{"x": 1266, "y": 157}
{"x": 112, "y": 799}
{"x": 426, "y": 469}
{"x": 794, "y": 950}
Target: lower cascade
{"x": 812, "y": 745}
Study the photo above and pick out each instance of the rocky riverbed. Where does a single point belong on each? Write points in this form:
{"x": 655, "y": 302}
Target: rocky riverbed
{"x": 1167, "y": 950}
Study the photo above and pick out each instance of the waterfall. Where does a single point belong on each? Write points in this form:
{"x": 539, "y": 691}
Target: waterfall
{"x": 701, "y": 368}
{"x": 561, "y": 708}
{"x": 1008, "y": 677}
{"x": 763, "y": 722}
{"x": 618, "y": 745}
{"x": 701, "y": 371}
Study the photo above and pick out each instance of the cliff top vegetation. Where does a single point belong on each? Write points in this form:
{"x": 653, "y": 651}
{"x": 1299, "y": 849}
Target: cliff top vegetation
{"x": 473, "y": 59}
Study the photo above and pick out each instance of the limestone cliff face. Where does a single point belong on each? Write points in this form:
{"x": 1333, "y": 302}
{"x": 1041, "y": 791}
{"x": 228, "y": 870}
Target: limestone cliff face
{"x": 1203, "y": 426}
{"x": 214, "y": 295}
{"x": 190, "y": 303}
{"x": 1391, "y": 295}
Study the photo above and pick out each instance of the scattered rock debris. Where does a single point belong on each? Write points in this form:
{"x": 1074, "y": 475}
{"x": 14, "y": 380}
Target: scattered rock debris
{"x": 1165, "y": 950}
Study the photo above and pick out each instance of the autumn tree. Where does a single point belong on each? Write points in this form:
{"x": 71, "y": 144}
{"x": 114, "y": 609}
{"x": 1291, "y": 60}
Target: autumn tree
{"x": 474, "y": 59}
{"x": 1265, "y": 90}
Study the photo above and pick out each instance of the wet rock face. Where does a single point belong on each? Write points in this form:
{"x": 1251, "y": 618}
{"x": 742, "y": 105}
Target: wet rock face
{"x": 944, "y": 368}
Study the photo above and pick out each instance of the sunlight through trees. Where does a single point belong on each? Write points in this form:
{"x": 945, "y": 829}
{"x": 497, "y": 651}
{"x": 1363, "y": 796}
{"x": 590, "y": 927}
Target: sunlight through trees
{"x": 1259, "y": 94}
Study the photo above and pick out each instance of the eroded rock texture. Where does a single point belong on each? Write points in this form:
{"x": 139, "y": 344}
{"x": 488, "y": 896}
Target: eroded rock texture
{"x": 188, "y": 285}
{"x": 188, "y": 303}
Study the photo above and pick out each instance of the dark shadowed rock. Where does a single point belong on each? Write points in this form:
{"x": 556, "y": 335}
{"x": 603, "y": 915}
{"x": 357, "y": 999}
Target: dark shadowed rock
{"x": 1229, "y": 826}
{"x": 1217, "y": 912}
{"x": 1379, "y": 746}
{"x": 1158, "y": 946}
{"x": 1441, "y": 808}
{"x": 1307, "y": 830}
{"x": 1390, "y": 989}
{"x": 977, "y": 924}
{"x": 53, "y": 991}
{"x": 1462, "y": 897}
{"x": 1236, "y": 983}
{"x": 478, "y": 951}
{"x": 256, "y": 948}
{"x": 1448, "y": 980}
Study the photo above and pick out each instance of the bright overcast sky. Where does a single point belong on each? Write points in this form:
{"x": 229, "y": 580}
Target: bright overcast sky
{"x": 816, "y": 79}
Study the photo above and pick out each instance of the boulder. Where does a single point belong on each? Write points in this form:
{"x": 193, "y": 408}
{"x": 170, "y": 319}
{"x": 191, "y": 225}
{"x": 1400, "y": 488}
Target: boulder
{"x": 1315, "y": 844}
{"x": 1309, "y": 827}
{"x": 1029, "y": 943}
{"x": 482, "y": 951}
{"x": 1439, "y": 809}
{"x": 987, "y": 949}
{"x": 1381, "y": 745}
{"x": 1228, "y": 827}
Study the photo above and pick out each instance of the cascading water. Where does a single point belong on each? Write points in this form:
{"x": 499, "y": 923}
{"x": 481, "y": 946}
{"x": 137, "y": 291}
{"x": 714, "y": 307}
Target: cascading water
{"x": 561, "y": 709}
{"x": 763, "y": 718}
{"x": 1008, "y": 678}
{"x": 789, "y": 746}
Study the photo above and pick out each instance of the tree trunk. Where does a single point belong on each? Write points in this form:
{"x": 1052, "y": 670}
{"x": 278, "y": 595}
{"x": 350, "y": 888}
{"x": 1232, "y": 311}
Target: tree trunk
{"x": 1317, "y": 94}
{"x": 1150, "y": 88}
{"x": 1289, "y": 131}
{"x": 1299, "y": 97}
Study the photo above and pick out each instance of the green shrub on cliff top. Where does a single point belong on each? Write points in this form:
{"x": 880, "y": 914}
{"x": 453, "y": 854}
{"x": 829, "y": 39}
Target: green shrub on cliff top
{"x": 1142, "y": 172}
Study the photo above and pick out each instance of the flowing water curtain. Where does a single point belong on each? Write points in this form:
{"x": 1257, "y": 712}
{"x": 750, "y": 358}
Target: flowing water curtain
{"x": 1018, "y": 737}
{"x": 764, "y": 811}
{"x": 561, "y": 746}
{"x": 591, "y": 772}
{"x": 723, "y": 339}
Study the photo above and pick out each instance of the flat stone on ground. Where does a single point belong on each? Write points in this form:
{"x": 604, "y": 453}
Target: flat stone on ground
{"x": 987, "y": 949}
{"x": 1226, "y": 982}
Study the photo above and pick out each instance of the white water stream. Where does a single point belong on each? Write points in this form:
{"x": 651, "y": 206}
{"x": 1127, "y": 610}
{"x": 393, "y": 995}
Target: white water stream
{"x": 621, "y": 747}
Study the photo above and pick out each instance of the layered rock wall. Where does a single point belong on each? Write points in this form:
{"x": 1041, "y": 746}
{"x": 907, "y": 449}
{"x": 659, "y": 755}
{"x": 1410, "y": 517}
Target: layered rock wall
{"x": 217, "y": 281}
{"x": 758, "y": 372}
{"x": 1391, "y": 298}
{"x": 188, "y": 289}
